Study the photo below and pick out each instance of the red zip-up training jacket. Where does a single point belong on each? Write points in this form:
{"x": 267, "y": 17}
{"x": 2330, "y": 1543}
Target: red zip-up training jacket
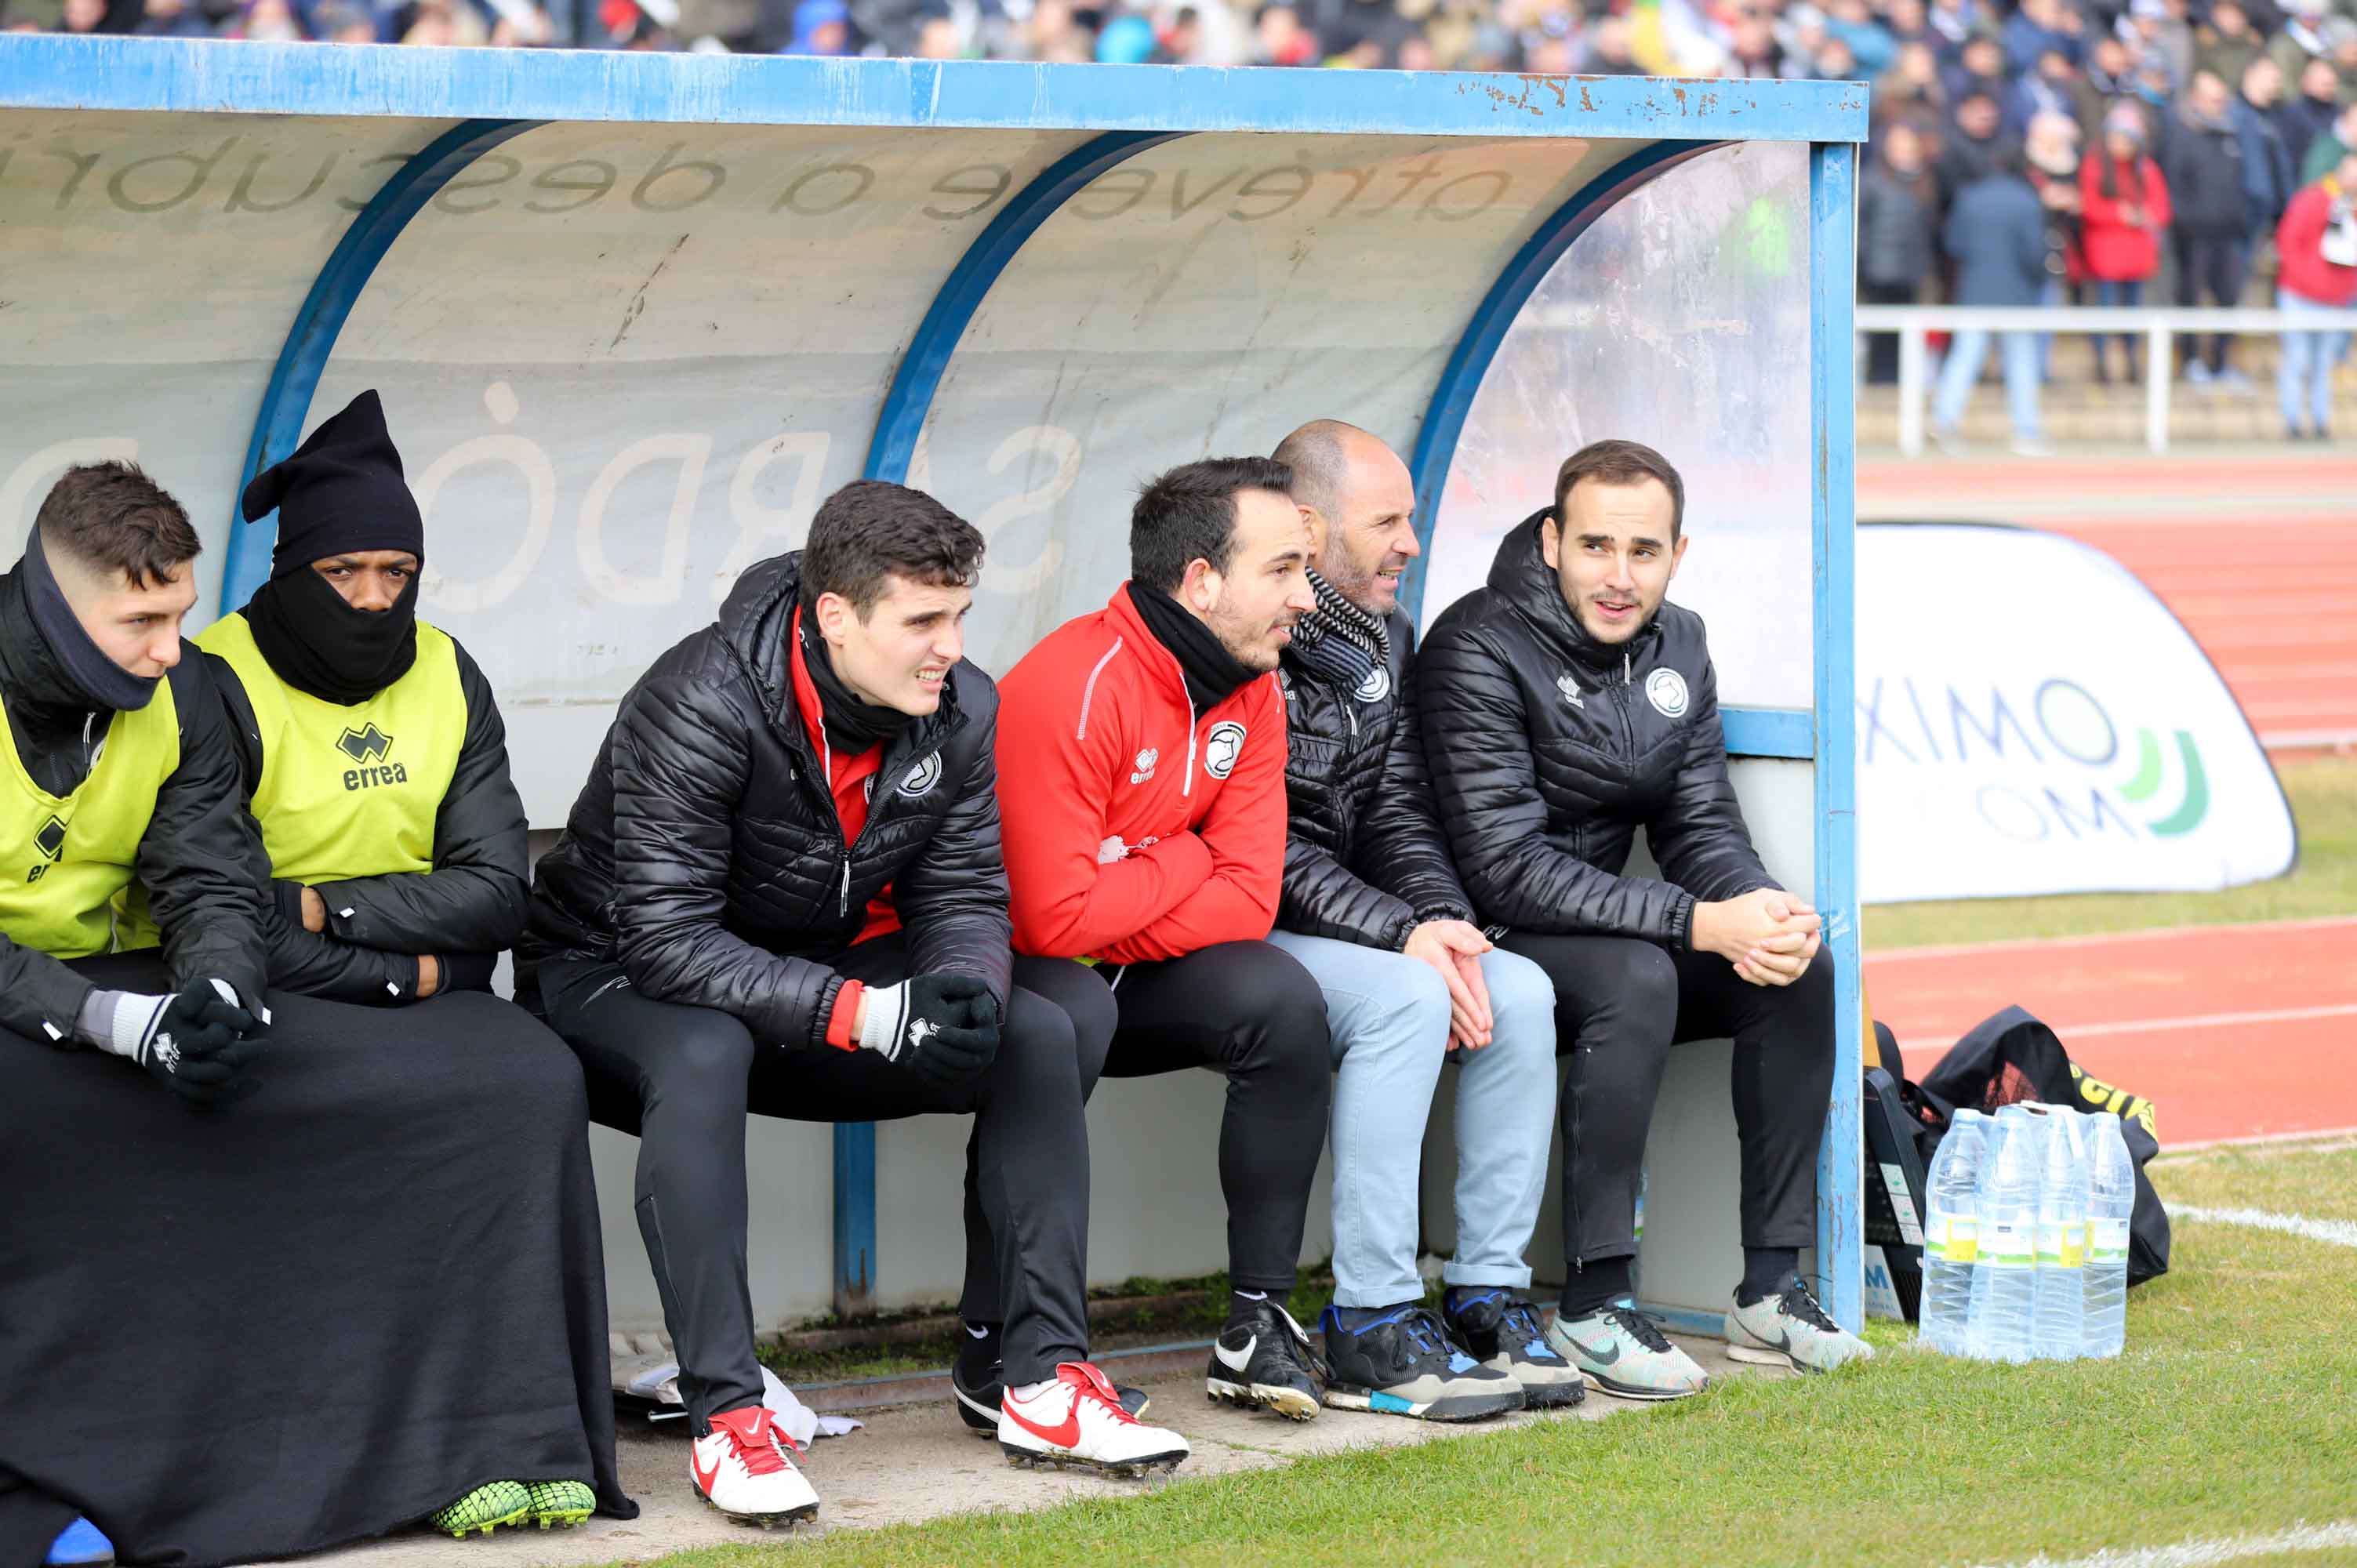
{"x": 1133, "y": 828}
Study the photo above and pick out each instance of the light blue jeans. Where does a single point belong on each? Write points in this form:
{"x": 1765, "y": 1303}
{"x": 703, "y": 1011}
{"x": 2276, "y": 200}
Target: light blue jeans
{"x": 2304, "y": 374}
{"x": 1966, "y": 354}
{"x": 2056, "y": 292}
{"x": 1388, "y": 1014}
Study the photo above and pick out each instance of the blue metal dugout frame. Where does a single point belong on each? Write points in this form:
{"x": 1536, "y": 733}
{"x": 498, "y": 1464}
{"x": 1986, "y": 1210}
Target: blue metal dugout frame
{"x": 497, "y": 95}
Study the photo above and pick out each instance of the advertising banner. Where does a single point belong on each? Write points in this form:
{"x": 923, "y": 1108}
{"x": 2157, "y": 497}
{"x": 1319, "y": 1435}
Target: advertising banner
{"x": 2032, "y": 719}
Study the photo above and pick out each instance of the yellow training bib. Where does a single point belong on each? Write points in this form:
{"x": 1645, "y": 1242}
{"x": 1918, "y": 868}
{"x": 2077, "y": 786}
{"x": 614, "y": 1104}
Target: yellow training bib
{"x": 67, "y": 864}
{"x": 350, "y": 791}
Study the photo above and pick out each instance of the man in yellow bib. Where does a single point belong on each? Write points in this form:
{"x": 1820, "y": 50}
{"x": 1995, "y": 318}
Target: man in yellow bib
{"x": 369, "y": 745}
{"x": 362, "y": 1286}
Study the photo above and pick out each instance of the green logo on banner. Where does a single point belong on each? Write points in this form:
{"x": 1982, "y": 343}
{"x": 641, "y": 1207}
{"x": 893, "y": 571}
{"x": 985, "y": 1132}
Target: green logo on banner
{"x": 2145, "y": 785}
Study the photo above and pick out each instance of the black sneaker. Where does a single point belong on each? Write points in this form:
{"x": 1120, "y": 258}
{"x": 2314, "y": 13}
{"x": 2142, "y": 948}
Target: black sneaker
{"x": 1403, "y": 1364}
{"x": 1503, "y": 1331}
{"x": 977, "y": 1404}
{"x": 1266, "y": 1362}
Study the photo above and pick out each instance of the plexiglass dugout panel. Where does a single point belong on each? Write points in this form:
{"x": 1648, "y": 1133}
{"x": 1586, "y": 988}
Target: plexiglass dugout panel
{"x": 1680, "y": 319}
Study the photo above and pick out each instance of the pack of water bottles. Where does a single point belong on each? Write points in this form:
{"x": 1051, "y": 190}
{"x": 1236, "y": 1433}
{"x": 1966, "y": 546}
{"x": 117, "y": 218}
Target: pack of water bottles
{"x": 2026, "y": 1235}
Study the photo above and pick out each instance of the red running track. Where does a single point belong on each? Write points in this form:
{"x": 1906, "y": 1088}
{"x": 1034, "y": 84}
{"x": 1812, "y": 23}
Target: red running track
{"x": 2257, "y": 554}
{"x": 2232, "y": 1031}
{"x": 2280, "y": 625}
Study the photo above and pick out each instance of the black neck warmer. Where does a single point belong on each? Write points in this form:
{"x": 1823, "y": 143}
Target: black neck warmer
{"x": 317, "y": 643}
{"x": 98, "y": 682}
{"x": 1213, "y": 675}
{"x": 853, "y": 725}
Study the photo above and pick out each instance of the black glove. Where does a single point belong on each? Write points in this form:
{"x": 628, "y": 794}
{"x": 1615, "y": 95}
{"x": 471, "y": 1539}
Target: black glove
{"x": 196, "y": 1044}
{"x": 943, "y": 1026}
{"x": 465, "y": 971}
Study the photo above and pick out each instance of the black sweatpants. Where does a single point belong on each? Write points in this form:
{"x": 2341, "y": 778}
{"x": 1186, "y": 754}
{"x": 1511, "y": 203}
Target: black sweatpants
{"x": 1620, "y": 1004}
{"x": 1252, "y": 1012}
{"x": 2221, "y": 264}
{"x": 684, "y": 1077}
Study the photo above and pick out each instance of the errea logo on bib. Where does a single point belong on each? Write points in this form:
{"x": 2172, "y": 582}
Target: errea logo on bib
{"x": 51, "y": 840}
{"x": 1222, "y": 747}
{"x": 372, "y": 749}
{"x": 1666, "y": 690}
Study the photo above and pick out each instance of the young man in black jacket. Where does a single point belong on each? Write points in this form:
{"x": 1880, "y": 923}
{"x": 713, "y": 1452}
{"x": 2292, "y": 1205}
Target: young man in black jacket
{"x": 781, "y": 891}
{"x": 1567, "y": 704}
{"x": 1372, "y": 908}
{"x": 383, "y": 1239}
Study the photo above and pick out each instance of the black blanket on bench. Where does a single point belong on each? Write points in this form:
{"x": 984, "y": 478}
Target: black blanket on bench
{"x": 314, "y": 1316}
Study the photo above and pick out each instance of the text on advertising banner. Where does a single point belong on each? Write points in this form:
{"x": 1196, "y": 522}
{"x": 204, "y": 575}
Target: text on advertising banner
{"x": 2032, "y": 719}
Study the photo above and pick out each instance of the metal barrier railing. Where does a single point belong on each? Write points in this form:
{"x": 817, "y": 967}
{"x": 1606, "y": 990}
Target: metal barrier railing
{"x": 2157, "y": 326}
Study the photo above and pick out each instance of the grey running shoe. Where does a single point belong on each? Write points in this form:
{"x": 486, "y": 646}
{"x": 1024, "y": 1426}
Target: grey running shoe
{"x": 1789, "y": 1329}
{"x": 1620, "y": 1351}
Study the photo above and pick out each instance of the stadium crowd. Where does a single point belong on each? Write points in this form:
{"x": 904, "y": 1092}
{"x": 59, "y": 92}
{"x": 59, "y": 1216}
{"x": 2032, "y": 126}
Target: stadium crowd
{"x": 2135, "y": 144}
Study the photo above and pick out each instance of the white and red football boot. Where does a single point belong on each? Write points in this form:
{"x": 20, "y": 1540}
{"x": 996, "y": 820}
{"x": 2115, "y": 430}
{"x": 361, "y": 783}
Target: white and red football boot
{"x": 1078, "y": 1419}
{"x": 745, "y": 1468}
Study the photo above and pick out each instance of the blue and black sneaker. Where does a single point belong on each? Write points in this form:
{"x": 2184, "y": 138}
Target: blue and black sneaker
{"x": 1401, "y": 1362}
{"x": 81, "y": 1546}
{"x": 1504, "y": 1332}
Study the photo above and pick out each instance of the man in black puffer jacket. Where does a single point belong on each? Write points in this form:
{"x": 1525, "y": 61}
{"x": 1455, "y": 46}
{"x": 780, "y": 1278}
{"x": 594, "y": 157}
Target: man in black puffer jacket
{"x": 1372, "y": 908}
{"x": 1567, "y": 705}
{"x": 781, "y": 891}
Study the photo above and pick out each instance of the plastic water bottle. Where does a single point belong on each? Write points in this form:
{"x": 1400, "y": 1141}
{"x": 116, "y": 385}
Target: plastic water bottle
{"x": 2061, "y": 1315}
{"x": 1951, "y": 1231}
{"x": 2005, "y": 1261}
{"x": 2111, "y": 1197}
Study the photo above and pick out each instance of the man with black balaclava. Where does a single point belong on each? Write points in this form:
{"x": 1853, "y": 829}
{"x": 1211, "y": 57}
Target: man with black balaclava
{"x": 350, "y": 1265}
{"x": 369, "y": 745}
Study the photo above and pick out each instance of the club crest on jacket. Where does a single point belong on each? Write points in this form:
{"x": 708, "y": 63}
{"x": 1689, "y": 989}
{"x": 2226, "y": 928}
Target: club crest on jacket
{"x": 1666, "y": 690}
{"x": 1376, "y": 686}
{"x": 1222, "y": 747}
{"x": 920, "y": 782}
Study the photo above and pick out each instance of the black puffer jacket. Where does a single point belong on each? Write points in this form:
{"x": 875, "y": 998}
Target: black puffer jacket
{"x": 1365, "y": 860}
{"x": 705, "y": 855}
{"x": 193, "y": 857}
{"x": 1550, "y": 749}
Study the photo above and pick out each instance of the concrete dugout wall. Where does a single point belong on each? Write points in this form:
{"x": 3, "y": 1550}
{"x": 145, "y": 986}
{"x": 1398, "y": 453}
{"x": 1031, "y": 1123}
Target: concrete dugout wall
{"x": 634, "y": 317}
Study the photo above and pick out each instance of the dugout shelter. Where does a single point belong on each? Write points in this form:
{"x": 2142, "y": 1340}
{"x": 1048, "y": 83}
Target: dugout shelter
{"x": 634, "y": 315}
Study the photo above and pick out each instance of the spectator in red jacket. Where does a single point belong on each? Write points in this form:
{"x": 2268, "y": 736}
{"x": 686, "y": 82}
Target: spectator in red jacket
{"x": 2125, "y": 209}
{"x": 2316, "y": 249}
{"x": 1142, "y": 806}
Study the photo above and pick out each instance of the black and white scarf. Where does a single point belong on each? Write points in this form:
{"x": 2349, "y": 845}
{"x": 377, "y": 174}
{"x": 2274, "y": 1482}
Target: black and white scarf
{"x": 1339, "y": 642}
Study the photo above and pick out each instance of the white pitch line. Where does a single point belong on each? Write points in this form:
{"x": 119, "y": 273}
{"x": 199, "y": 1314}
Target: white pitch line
{"x": 2326, "y": 1141}
{"x": 2106, "y": 939}
{"x": 2201, "y": 1551}
{"x": 2167, "y": 1026}
{"x": 2339, "y": 1232}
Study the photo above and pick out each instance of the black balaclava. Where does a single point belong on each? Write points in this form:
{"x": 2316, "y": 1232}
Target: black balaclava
{"x": 1213, "y": 675}
{"x": 342, "y": 492}
{"x": 99, "y": 682}
{"x": 852, "y": 723}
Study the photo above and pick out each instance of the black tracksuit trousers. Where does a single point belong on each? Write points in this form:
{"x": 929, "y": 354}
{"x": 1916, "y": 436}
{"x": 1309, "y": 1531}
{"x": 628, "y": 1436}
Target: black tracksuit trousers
{"x": 1253, "y": 1013}
{"x": 683, "y": 1077}
{"x": 1620, "y": 1004}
